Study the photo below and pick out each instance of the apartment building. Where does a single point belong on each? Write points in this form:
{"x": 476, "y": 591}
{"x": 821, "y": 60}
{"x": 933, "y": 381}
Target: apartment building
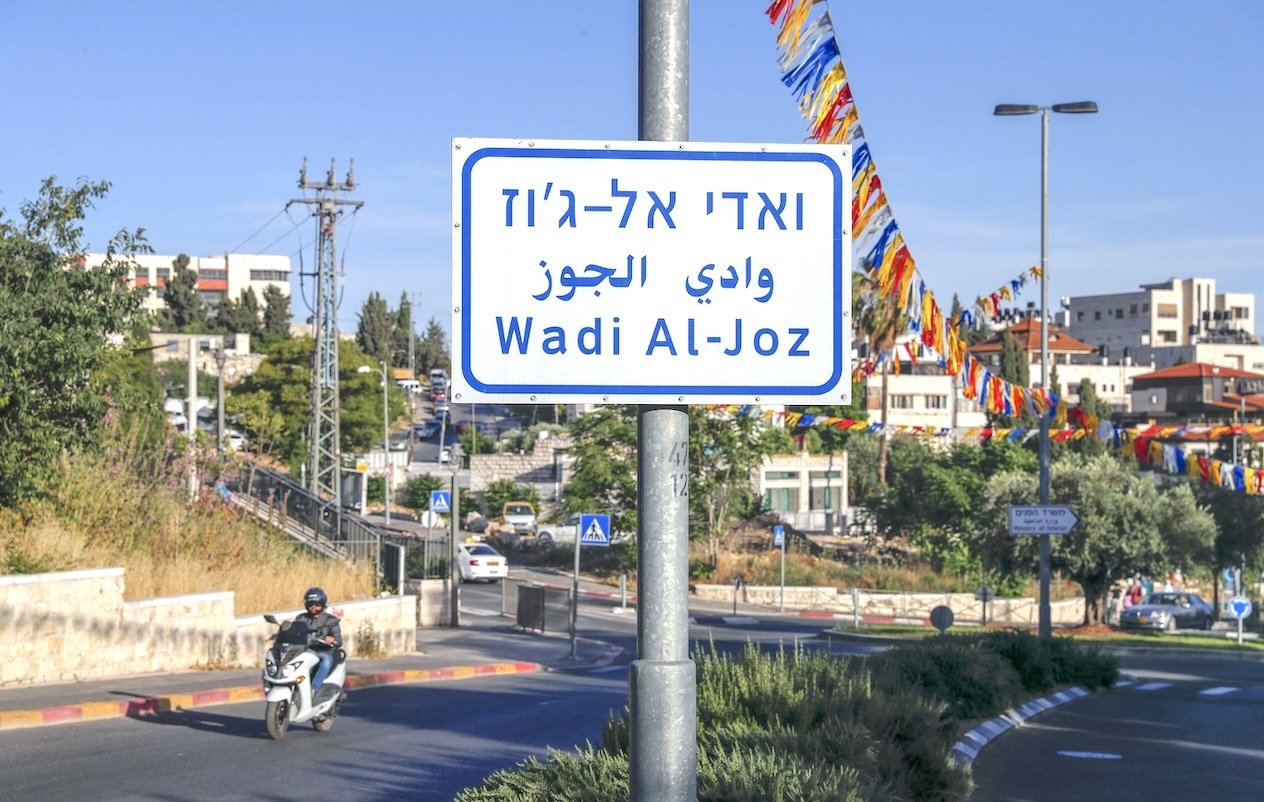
{"x": 219, "y": 277}
{"x": 1164, "y": 322}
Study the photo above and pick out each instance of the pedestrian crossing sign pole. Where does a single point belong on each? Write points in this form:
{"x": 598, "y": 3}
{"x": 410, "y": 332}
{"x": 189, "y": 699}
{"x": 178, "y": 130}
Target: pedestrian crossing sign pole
{"x": 594, "y": 530}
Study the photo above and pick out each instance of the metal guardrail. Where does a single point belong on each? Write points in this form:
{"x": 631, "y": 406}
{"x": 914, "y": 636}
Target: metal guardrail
{"x": 321, "y": 527}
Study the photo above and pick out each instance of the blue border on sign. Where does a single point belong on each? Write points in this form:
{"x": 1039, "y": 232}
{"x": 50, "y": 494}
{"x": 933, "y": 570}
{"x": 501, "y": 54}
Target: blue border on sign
{"x": 836, "y": 338}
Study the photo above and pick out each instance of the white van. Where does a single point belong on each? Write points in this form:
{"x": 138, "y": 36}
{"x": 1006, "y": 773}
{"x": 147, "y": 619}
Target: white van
{"x": 409, "y": 385}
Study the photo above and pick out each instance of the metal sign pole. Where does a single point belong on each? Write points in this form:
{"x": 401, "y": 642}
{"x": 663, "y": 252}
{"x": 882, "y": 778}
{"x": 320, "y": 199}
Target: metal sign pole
{"x": 662, "y": 698}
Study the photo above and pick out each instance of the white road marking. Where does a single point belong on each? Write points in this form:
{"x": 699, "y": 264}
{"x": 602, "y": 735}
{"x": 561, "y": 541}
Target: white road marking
{"x": 1220, "y": 691}
{"x": 1091, "y": 755}
{"x": 1154, "y": 686}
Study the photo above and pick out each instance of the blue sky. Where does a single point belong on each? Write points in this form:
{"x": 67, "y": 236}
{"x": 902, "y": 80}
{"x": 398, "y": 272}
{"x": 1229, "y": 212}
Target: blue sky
{"x": 200, "y": 115}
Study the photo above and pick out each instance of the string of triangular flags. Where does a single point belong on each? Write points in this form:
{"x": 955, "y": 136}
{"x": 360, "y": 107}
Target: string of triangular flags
{"x": 812, "y": 67}
{"x": 1145, "y": 443}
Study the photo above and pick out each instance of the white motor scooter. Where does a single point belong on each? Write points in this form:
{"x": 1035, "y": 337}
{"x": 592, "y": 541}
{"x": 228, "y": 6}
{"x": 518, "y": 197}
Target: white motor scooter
{"x": 287, "y": 680}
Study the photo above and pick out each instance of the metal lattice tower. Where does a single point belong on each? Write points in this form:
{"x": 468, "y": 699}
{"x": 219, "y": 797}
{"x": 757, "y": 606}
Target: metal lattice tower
{"x": 324, "y": 467}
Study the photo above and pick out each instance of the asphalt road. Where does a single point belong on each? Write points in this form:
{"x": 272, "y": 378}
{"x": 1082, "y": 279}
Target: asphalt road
{"x": 395, "y": 742}
{"x": 1186, "y": 728}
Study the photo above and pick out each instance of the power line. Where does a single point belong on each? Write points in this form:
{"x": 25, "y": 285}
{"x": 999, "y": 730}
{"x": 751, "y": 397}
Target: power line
{"x": 237, "y": 248}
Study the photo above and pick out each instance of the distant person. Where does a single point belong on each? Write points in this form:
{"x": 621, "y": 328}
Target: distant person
{"x": 1136, "y": 593}
{"x": 1112, "y": 606}
{"x": 324, "y": 627}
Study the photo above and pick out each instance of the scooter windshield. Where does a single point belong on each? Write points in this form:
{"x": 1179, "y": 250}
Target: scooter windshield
{"x": 292, "y": 633}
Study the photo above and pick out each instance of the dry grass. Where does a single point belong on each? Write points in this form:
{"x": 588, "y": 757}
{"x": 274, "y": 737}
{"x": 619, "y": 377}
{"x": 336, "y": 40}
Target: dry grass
{"x": 125, "y": 511}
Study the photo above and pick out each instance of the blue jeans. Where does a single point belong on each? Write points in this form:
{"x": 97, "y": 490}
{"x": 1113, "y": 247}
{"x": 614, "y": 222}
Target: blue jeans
{"x": 326, "y": 664}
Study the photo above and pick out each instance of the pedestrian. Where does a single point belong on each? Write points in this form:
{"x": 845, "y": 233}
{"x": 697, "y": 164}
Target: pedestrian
{"x": 1136, "y": 593}
{"x": 1112, "y": 607}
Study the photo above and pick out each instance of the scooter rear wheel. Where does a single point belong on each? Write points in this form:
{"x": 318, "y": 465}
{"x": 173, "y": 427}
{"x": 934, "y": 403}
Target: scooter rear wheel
{"x": 277, "y": 717}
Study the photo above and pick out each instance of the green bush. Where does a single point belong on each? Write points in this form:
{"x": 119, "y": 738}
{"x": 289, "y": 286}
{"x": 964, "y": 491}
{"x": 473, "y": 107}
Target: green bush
{"x": 792, "y": 725}
{"x": 972, "y": 682}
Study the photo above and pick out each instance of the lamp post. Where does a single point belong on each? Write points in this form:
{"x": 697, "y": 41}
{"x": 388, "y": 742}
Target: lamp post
{"x": 386, "y": 437}
{"x": 1008, "y": 110}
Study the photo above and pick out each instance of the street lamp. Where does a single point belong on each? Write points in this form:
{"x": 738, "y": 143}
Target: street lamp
{"x": 386, "y": 437}
{"x": 1008, "y": 110}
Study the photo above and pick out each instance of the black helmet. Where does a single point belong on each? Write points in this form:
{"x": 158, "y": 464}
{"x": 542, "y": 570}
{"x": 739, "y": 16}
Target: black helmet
{"x": 314, "y": 596}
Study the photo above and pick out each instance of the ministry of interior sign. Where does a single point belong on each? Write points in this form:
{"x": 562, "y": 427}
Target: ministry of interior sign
{"x": 651, "y": 272}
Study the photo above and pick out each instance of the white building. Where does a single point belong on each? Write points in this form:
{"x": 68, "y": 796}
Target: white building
{"x": 219, "y": 277}
{"x": 1177, "y": 312}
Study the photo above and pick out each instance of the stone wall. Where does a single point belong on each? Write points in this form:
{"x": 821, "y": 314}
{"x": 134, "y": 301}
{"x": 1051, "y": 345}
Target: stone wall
{"x": 545, "y": 468}
{"x": 72, "y": 626}
{"x": 875, "y": 604}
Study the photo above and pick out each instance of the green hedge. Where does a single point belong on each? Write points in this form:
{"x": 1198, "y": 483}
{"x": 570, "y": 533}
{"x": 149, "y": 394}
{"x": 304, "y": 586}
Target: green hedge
{"x": 793, "y": 726}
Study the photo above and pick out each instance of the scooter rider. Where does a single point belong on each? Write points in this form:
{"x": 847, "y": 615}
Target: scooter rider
{"x": 324, "y": 627}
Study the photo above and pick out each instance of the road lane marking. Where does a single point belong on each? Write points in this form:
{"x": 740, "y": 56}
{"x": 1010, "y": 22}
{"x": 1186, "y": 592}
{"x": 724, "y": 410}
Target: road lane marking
{"x": 1091, "y": 755}
{"x": 1219, "y": 691}
{"x": 1154, "y": 686}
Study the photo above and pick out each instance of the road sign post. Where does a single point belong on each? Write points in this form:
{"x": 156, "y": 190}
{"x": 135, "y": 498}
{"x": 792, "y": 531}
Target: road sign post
{"x": 1240, "y": 608}
{"x": 594, "y": 530}
{"x": 779, "y": 539}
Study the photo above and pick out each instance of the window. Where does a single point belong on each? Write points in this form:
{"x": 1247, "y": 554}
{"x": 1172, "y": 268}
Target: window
{"x": 1079, "y": 317}
{"x": 1097, "y": 315}
{"x": 1132, "y": 310}
{"x": 901, "y": 401}
{"x": 1167, "y": 310}
{"x": 936, "y": 402}
{"x": 1167, "y": 336}
{"x": 1145, "y": 307}
{"x": 269, "y": 275}
{"x": 773, "y": 476}
{"x": 164, "y": 273}
{"x": 213, "y": 275}
{"x": 780, "y": 499}
{"x": 1119, "y": 313}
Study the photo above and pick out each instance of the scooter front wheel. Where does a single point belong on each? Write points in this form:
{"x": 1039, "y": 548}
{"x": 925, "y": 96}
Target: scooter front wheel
{"x": 277, "y": 717}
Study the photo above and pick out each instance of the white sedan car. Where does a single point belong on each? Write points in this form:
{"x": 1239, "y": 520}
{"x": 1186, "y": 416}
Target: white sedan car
{"x": 479, "y": 561}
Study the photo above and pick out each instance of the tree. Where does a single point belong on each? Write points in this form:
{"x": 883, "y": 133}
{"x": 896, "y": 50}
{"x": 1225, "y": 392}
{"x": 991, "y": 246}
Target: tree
{"x": 432, "y": 348}
{"x": 284, "y": 381}
{"x": 880, "y": 322}
{"x": 56, "y": 321}
{"x": 724, "y": 452}
{"x": 603, "y": 473}
{"x": 1126, "y": 527}
{"x": 374, "y": 334}
{"x": 276, "y": 313}
{"x": 185, "y": 312}
{"x": 402, "y": 334}
{"x": 1014, "y": 368}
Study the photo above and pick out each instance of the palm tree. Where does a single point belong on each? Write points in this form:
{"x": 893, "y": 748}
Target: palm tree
{"x": 879, "y": 321}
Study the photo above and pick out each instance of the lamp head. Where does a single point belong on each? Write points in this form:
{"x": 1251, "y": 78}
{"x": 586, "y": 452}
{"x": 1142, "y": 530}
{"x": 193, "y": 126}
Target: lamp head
{"x": 1012, "y": 109}
{"x": 1080, "y": 107}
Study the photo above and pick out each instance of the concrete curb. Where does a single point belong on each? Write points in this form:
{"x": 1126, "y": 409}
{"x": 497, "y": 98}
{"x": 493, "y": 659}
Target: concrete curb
{"x": 153, "y": 705}
{"x": 967, "y": 749}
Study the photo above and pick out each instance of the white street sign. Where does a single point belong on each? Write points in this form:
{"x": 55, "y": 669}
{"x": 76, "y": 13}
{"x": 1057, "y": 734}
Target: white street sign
{"x": 651, "y": 272}
{"x": 1047, "y": 519}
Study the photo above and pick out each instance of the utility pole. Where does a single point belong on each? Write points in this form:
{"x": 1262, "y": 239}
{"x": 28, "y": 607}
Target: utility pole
{"x": 325, "y": 471}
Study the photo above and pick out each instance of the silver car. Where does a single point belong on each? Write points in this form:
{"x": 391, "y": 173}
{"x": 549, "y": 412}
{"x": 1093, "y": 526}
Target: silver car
{"x": 1169, "y": 611}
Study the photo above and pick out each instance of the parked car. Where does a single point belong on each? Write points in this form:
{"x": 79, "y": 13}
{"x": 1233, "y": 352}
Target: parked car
{"x": 480, "y": 561}
{"x": 1168, "y": 611}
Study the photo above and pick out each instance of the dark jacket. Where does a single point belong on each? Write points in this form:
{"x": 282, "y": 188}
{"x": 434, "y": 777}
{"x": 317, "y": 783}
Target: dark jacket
{"x": 323, "y": 624}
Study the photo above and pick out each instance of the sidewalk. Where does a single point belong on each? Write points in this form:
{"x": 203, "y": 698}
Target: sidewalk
{"x": 480, "y": 648}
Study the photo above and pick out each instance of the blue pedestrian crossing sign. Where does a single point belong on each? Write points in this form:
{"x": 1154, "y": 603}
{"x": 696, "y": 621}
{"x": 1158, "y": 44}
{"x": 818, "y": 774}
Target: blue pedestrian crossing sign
{"x": 441, "y": 501}
{"x": 1239, "y": 607}
{"x": 779, "y": 535}
{"x": 594, "y": 530}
